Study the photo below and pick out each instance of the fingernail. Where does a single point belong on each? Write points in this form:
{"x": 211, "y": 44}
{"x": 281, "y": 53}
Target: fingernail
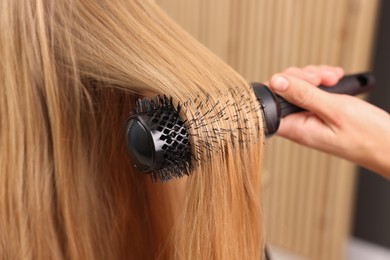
{"x": 330, "y": 73}
{"x": 310, "y": 74}
{"x": 339, "y": 71}
{"x": 279, "y": 83}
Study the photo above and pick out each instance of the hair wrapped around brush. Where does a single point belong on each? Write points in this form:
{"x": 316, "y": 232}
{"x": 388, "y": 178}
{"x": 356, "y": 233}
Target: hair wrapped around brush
{"x": 71, "y": 71}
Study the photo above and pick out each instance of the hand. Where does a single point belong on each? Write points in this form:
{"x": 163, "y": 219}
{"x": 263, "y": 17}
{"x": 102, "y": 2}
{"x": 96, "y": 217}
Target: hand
{"x": 341, "y": 125}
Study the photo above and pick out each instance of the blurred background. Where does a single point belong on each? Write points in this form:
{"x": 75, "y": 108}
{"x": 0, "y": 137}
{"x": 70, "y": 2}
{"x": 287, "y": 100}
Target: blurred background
{"x": 316, "y": 206}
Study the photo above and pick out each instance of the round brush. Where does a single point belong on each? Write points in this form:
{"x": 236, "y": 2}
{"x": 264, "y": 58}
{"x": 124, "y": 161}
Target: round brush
{"x": 158, "y": 142}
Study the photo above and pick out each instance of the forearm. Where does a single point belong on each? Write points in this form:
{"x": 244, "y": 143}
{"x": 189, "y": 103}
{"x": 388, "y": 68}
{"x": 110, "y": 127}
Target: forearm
{"x": 379, "y": 160}
{"x": 378, "y": 144}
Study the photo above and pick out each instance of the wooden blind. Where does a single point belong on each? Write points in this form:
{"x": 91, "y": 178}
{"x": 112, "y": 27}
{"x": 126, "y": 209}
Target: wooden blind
{"x": 308, "y": 194}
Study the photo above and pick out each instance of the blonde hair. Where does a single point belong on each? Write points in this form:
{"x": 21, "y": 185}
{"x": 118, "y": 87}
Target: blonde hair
{"x": 70, "y": 73}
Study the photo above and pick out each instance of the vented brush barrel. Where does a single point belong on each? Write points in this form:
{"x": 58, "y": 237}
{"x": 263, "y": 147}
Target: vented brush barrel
{"x": 157, "y": 140}
{"x": 275, "y": 107}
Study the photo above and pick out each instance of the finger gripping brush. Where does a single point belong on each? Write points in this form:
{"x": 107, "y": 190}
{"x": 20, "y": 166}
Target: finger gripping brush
{"x": 158, "y": 142}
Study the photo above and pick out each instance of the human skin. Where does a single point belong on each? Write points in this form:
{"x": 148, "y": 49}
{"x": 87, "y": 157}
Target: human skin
{"x": 342, "y": 125}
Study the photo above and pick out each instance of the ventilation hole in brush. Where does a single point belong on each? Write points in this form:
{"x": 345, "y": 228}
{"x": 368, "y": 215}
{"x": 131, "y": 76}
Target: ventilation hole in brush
{"x": 169, "y": 141}
{"x": 169, "y": 125}
{"x": 160, "y": 128}
{"x": 179, "y": 138}
{"x": 166, "y": 131}
{"x": 163, "y": 137}
{"x": 185, "y": 141}
{"x": 164, "y": 147}
{"x": 164, "y": 164}
{"x": 183, "y": 131}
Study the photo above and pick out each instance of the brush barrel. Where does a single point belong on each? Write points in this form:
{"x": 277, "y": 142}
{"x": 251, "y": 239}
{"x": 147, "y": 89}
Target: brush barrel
{"x": 269, "y": 104}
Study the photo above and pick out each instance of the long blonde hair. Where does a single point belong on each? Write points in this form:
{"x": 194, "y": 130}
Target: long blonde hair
{"x": 70, "y": 72}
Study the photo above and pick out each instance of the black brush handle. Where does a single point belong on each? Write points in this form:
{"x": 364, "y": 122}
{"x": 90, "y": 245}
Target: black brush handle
{"x": 353, "y": 84}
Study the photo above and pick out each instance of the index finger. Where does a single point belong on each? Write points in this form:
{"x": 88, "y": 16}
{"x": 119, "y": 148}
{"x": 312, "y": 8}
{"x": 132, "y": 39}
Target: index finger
{"x": 305, "y": 95}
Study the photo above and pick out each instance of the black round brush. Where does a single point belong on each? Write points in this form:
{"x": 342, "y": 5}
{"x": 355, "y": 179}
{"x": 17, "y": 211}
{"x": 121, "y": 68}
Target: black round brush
{"x": 156, "y": 139}
{"x": 158, "y": 142}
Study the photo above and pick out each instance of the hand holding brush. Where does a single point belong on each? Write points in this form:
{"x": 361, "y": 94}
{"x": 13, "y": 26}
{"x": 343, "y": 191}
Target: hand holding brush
{"x": 341, "y": 125}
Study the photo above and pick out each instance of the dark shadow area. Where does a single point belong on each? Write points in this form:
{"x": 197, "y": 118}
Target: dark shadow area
{"x": 372, "y": 213}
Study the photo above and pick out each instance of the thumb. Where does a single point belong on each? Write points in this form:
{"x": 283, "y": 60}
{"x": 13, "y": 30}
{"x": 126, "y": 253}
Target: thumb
{"x": 303, "y": 94}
